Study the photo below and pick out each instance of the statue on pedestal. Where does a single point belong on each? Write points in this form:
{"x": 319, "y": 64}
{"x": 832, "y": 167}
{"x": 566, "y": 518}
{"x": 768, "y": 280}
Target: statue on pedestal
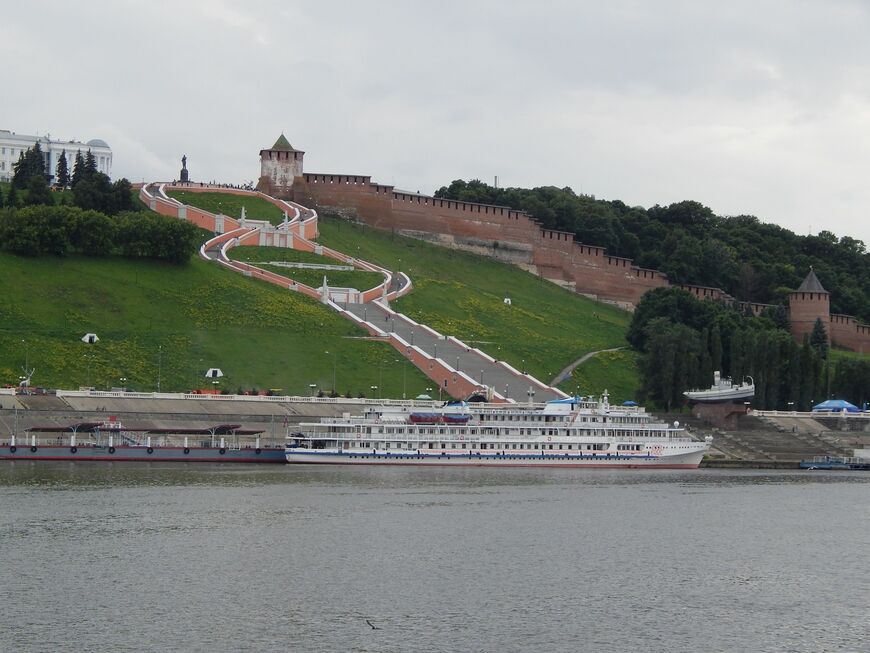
{"x": 185, "y": 176}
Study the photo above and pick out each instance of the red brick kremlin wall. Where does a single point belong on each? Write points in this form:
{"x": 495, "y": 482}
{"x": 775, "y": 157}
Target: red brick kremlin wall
{"x": 516, "y": 237}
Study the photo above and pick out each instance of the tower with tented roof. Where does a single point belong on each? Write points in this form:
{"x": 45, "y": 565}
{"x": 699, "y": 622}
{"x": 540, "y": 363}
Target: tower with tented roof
{"x": 280, "y": 166}
{"x": 807, "y": 304}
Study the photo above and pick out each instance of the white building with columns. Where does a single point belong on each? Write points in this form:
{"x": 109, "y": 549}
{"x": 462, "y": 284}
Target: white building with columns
{"x": 12, "y": 145}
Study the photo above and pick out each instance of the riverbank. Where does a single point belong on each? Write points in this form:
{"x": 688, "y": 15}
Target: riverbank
{"x": 714, "y": 463}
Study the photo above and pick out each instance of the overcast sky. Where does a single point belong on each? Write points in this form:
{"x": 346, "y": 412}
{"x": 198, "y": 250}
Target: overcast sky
{"x": 758, "y": 107}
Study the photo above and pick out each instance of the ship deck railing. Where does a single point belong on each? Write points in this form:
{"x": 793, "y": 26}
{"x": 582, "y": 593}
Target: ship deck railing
{"x": 840, "y": 460}
{"x": 120, "y": 439}
{"x": 474, "y": 439}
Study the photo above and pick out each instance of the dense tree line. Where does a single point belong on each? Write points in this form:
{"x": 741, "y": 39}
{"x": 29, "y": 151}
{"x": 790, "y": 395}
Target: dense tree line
{"x": 683, "y": 340}
{"x": 91, "y": 189}
{"x": 65, "y": 230}
{"x": 747, "y": 258}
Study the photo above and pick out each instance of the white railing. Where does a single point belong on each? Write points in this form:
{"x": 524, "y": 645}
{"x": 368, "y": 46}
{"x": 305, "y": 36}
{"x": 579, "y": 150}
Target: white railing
{"x": 803, "y": 414}
{"x": 305, "y": 266}
{"x": 233, "y": 397}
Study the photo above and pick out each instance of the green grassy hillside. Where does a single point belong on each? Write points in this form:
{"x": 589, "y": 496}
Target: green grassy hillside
{"x": 544, "y": 329}
{"x": 148, "y": 313}
{"x": 184, "y": 320}
{"x": 256, "y": 208}
{"x": 261, "y": 256}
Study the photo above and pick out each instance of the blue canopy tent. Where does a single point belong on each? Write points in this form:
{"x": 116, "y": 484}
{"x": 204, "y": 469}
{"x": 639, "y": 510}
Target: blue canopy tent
{"x": 835, "y": 406}
{"x": 629, "y": 403}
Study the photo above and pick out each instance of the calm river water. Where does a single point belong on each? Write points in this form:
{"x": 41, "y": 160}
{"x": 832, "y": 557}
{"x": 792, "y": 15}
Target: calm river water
{"x": 151, "y": 557}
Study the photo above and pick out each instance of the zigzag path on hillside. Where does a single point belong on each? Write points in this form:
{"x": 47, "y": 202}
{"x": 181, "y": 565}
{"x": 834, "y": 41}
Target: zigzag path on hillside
{"x": 565, "y": 374}
{"x": 458, "y": 369}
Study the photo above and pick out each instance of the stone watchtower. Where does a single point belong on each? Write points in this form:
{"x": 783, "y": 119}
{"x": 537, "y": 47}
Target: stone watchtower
{"x": 280, "y": 166}
{"x": 809, "y": 302}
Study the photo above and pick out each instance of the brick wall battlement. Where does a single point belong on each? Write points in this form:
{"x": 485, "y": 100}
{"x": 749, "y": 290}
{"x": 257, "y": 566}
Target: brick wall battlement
{"x": 516, "y": 237}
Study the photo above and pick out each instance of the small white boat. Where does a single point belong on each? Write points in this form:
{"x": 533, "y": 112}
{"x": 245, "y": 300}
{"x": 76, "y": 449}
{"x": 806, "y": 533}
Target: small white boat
{"x": 723, "y": 390}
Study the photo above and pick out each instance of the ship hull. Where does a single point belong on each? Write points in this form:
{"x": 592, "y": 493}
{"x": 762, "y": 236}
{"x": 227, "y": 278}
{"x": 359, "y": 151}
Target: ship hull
{"x": 314, "y": 457}
{"x": 142, "y": 454}
{"x": 710, "y": 397}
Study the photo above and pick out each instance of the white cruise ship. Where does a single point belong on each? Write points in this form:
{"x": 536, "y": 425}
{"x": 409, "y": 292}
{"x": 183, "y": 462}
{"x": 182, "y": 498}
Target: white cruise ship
{"x": 572, "y": 432}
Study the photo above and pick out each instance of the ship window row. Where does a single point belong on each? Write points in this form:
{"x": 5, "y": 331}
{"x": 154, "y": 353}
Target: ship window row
{"x": 541, "y": 418}
{"x": 365, "y": 444}
{"x": 591, "y": 419}
{"x": 492, "y": 431}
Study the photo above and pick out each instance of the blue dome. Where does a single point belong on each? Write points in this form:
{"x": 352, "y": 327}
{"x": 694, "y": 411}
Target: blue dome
{"x": 97, "y": 142}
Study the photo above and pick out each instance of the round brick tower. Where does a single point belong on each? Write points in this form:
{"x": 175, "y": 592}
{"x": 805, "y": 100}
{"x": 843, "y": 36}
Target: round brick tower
{"x": 280, "y": 165}
{"x": 808, "y": 303}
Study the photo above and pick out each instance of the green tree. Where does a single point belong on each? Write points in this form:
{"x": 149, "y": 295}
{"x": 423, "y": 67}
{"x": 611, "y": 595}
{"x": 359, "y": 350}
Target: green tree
{"x": 793, "y": 374}
{"x": 38, "y": 193}
{"x": 778, "y": 315}
{"x": 78, "y": 173}
{"x": 716, "y": 348}
{"x": 20, "y": 172}
{"x": 122, "y": 197}
{"x": 670, "y": 363}
{"x": 819, "y": 338}
{"x": 1, "y": 197}
{"x": 90, "y": 165}
{"x": 705, "y": 363}
{"x": 94, "y": 192}
{"x": 12, "y": 197}
{"x": 93, "y": 233}
{"x": 674, "y": 304}
{"x": 737, "y": 365}
{"x": 62, "y": 171}
{"x": 61, "y": 230}
{"x": 812, "y": 389}
{"x": 31, "y": 163}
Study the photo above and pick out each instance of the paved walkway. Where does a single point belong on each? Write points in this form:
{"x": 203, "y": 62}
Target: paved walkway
{"x": 568, "y": 371}
{"x": 509, "y": 384}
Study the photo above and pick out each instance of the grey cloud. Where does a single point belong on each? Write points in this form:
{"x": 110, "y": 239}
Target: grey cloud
{"x": 748, "y": 107}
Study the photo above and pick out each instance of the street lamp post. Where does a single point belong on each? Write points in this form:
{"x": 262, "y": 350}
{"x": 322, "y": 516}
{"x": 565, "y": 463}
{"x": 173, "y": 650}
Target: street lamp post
{"x": 159, "y": 364}
{"x": 375, "y": 389}
{"x": 123, "y": 381}
{"x": 312, "y": 386}
{"x": 404, "y": 369}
